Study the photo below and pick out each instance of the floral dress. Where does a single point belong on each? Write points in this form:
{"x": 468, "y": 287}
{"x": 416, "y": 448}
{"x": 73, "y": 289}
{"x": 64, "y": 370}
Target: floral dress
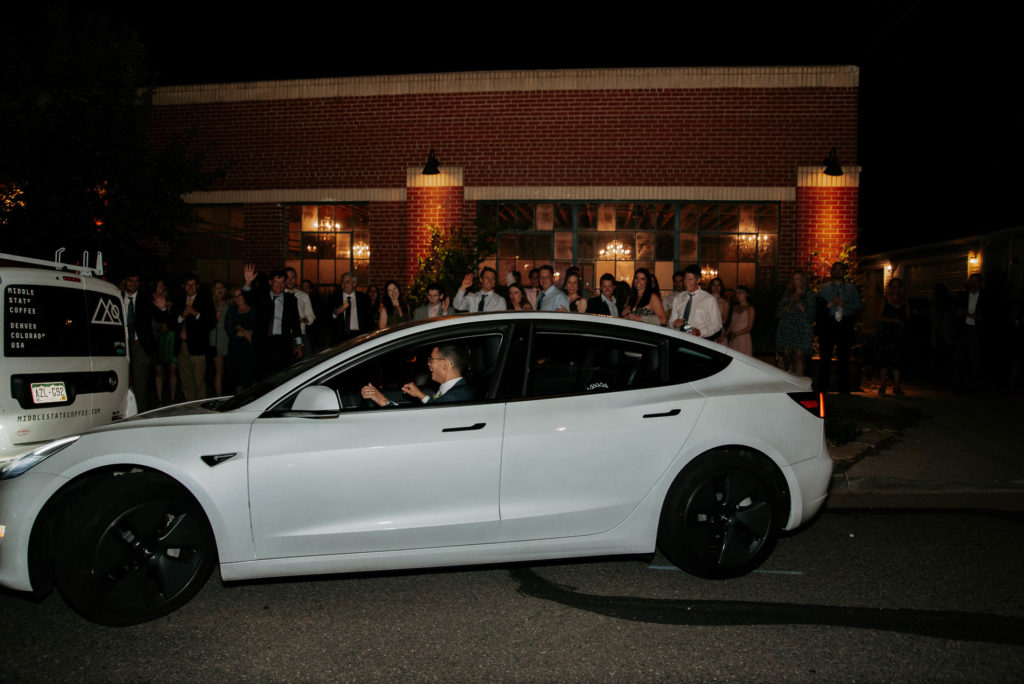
{"x": 795, "y": 331}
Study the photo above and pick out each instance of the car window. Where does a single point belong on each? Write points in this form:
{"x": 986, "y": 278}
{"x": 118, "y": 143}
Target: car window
{"x": 389, "y": 370}
{"x": 688, "y": 362}
{"x": 574, "y": 363}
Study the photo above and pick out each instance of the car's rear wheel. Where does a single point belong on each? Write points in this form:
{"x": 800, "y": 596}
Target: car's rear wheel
{"x": 133, "y": 548}
{"x": 722, "y": 516}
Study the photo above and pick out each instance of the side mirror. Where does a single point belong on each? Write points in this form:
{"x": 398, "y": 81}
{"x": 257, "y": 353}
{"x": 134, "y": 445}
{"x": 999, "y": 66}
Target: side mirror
{"x": 317, "y": 399}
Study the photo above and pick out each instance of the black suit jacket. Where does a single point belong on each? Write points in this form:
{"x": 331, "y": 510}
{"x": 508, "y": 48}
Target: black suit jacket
{"x": 596, "y": 305}
{"x": 197, "y": 328}
{"x": 460, "y": 391}
{"x": 960, "y": 311}
{"x": 366, "y": 315}
{"x": 145, "y": 313}
{"x": 263, "y": 302}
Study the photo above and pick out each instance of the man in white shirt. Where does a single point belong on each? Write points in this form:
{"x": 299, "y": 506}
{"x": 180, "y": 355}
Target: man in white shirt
{"x": 484, "y": 300}
{"x": 694, "y": 310}
{"x": 306, "y": 315}
{"x": 551, "y": 298}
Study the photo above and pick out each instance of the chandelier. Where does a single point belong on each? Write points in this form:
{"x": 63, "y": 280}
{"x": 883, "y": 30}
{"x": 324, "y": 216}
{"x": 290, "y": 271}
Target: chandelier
{"x": 361, "y": 250}
{"x": 615, "y": 250}
{"x": 707, "y": 272}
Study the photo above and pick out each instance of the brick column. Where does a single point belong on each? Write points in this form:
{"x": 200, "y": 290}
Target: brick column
{"x": 430, "y": 201}
{"x": 826, "y": 215}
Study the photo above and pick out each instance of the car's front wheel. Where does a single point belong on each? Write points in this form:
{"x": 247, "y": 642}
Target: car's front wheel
{"x": 133, "y": 547}
{"x": 722, "y": 516}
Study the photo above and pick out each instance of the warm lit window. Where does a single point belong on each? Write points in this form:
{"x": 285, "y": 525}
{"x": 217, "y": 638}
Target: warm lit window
{"x": 735, "y": 241}
{"x": 325, "y": 241}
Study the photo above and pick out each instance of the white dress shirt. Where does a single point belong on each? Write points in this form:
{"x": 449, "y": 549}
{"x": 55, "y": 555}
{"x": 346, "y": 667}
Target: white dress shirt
{"x": 704, "y": 313}
{"x": 471, "y": 302}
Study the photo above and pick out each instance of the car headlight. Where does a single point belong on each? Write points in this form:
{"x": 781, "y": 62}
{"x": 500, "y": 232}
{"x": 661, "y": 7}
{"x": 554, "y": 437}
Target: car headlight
{"x": 19, "y": 464}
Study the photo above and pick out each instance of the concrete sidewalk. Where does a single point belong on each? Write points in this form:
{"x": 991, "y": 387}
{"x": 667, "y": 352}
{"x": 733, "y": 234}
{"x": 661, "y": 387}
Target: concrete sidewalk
{"x": 930, "y": 449}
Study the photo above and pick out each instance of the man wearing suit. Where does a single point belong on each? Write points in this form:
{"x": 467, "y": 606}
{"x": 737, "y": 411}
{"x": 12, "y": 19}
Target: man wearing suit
{"x": 352, "y": 311}
{"x": 140, "y": 313}
{"x": 437, "y": 304}
{"x": 446, "y": 363}
{"x": 193, "y": 316}
{"x": 605, "y": 303}
{"x": 277, "y": 335}
{"x": 969, "y": 311}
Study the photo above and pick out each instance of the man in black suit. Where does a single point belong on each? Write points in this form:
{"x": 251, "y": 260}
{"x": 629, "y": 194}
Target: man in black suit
{"x": 447, "y": 364}
{"x": 969, "y": 311}
{"x": 140, "y": 313}
{"x": 277, "y": 335}
{"x": 193, "y": 316}
{"x": 352, "y": 311}
{"x": 605, "y": 302}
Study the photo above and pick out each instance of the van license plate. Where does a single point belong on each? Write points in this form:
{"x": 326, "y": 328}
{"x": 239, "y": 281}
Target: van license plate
{"x": 48, "y": 392}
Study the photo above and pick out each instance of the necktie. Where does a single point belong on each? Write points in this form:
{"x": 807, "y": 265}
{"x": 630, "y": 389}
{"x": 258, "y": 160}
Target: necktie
{"x": 540, "y": 300}
{"x": 350, "y": 313}
{"x": 131, "y": 317}
{"x": 686, "y": 311}
{"x": 480, "y": 306}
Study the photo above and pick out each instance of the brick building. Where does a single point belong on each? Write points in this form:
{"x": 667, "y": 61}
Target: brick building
{"x": 610, "y": 169}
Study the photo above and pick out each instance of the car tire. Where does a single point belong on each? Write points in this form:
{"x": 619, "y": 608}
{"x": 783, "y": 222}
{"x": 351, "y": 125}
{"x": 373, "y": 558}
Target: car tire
{"x": 722, "y": 515}
{"x": 133, "y": 547}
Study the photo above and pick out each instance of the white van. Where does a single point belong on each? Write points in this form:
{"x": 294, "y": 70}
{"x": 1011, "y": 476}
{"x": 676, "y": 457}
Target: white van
{"x": 64, "y": 367}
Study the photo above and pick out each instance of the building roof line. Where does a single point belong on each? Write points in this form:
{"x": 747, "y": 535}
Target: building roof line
{"x": 654, "y": 78}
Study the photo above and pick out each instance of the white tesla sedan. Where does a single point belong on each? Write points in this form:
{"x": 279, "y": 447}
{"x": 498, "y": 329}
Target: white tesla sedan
{"x": 577, "y": 436}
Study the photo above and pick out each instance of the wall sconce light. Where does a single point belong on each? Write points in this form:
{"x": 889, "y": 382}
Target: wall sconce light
{"x": 972, "y": 258}
{"x": 431, "y": 168}
{"x": 888, "y": 267}
{"x": 832, "y": 165}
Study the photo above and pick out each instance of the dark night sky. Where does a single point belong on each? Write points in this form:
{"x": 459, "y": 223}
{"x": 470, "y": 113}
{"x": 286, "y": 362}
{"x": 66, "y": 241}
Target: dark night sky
{"x": 940, "y": 143}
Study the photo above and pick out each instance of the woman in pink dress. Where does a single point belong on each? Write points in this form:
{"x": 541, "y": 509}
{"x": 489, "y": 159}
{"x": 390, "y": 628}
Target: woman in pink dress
{"x": 742, "y": 323}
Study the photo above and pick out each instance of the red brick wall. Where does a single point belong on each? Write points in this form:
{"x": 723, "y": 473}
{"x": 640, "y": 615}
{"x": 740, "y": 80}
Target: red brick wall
{"x": 826, "y": 221}
{"x": 264, "y": 236}
{"x": 714, "y": 136}
{"x": 388, "y": 223}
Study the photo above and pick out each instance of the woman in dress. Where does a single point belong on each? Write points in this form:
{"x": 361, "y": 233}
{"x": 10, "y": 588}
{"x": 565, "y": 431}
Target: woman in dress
{"x": 517, "y": 300}
{"x": 239, "y": 322}
{"x": 891, "y": 329}
{"x": 577, "y": 302}
{"x": 795, "y": 312}
{"x": 644, "y": 301}
{"x": 393, "y": 307}
{"x": 219, "y": 335}
{"x": 166, "y": 362}
{"x": 738, "y": 332}
{"x": 717, "y": 289}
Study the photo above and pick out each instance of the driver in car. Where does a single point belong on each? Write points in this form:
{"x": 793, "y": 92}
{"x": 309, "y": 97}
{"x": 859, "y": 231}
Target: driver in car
{"x": 447, "y": 364}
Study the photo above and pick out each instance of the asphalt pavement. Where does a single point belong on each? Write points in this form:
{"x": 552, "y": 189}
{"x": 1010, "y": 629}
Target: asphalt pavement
{"x": 929, "y": 448}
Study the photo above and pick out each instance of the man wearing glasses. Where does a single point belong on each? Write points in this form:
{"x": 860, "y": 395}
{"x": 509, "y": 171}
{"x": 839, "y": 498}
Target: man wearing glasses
{"x": 446, "y": 363}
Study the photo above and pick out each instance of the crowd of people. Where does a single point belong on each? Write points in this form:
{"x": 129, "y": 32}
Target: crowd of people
{"x": 193, "y": 342}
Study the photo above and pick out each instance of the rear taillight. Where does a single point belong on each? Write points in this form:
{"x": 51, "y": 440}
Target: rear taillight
{"x": 814, "y": 402}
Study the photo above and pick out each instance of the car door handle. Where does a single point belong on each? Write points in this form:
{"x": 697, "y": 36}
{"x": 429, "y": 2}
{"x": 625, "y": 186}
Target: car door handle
{"x": 474, "y": 426}
{"x": 666, "y": 414}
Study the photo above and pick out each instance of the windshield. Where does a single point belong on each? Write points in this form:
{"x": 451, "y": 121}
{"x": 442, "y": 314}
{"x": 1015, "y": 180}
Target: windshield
{"x": 268, "y": 383}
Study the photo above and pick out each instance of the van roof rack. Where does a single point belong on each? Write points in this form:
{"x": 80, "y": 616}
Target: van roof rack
{"x": 59, "y": 265}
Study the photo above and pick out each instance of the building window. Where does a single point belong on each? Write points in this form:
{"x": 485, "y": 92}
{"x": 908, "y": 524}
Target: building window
{"x": 736, "y": 241}
{"x": 325, "y": 241}
{"x": 216, "y": 237}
